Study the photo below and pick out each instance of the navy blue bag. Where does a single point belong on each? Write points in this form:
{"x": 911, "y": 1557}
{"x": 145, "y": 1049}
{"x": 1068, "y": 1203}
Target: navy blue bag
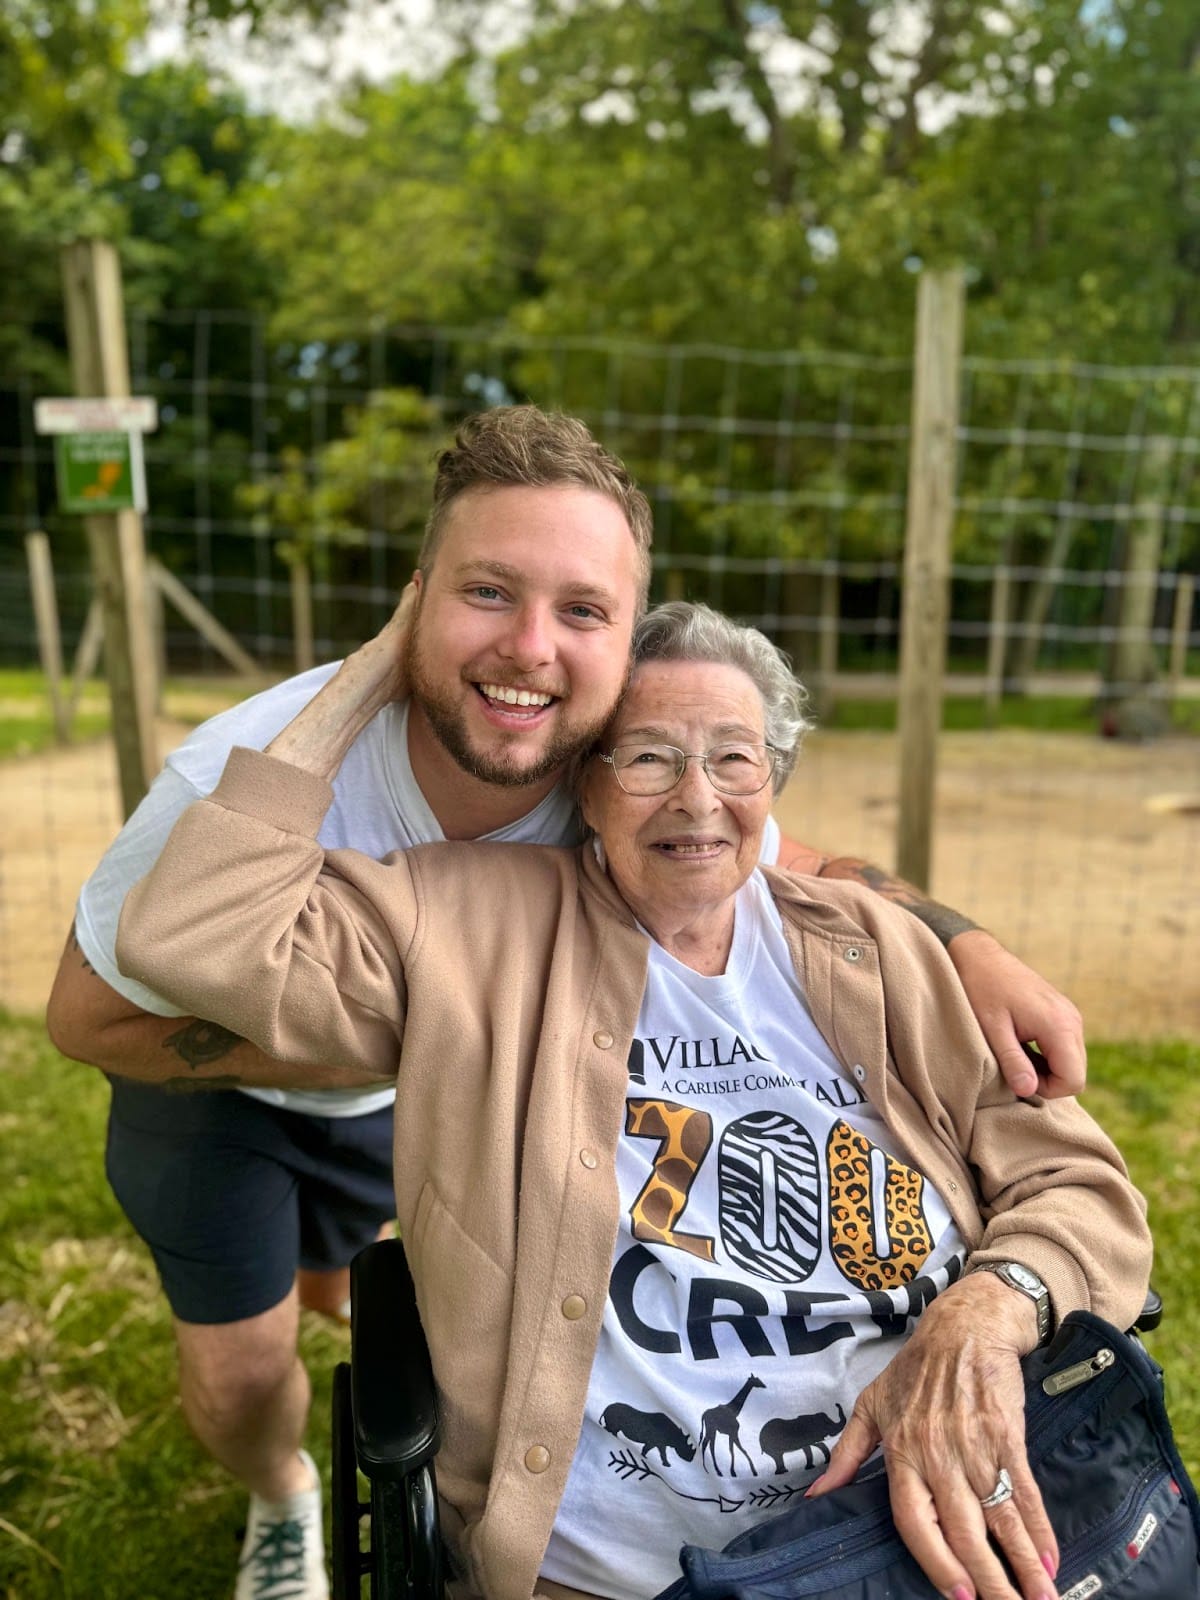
{"x": 1101, "y": 1447}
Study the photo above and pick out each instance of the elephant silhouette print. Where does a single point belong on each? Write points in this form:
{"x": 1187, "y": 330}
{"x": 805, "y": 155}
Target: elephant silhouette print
{"x": 782, "y": 1436}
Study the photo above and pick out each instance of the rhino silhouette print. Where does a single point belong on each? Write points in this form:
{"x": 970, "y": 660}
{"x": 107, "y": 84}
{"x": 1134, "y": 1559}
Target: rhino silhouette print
{"x": 653, "y": 1430}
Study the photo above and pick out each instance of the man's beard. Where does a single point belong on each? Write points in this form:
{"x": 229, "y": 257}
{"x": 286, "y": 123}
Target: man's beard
{"x": 448, "y": 720}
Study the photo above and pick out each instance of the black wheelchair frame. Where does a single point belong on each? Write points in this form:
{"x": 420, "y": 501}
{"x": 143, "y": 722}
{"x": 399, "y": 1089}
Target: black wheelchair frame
{"x": 385, "y": 1425}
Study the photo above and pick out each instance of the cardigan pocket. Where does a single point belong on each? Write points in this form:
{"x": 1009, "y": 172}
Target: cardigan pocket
{"x": 465, "y": 1300}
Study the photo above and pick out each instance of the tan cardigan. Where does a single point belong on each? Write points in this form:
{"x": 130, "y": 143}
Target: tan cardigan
{"x": 503, "y": 982}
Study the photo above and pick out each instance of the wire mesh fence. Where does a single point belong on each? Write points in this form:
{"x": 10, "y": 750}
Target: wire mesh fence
{"x": 778, "y": 481}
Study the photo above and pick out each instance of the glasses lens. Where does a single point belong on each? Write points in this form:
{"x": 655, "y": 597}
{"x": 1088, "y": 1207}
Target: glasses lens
{"x": 740, "y": 768}
{"x": 647, "y": 768}
{"x": 736, "y": 768}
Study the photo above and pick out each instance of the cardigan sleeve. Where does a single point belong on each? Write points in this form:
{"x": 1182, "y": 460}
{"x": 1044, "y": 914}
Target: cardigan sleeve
{"x": 247, "y": 922}
{"x": 1052, "y": 1189}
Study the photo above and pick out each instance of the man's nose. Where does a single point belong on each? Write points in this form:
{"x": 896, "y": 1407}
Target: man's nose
{"x": 528, "y": 640}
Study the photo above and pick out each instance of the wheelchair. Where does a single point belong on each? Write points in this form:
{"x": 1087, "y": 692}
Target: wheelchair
{"x": 385, "y": 1425}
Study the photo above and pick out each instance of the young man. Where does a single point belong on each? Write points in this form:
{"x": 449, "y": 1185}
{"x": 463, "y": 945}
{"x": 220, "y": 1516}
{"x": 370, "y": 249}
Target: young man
{"x": 511, "y": 653}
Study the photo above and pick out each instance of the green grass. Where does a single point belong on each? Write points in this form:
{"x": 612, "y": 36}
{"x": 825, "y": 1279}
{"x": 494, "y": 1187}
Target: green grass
{"x": 27, "y": 726}
{"x": 969, "y": 714}
{"x": 104, "y": 1495}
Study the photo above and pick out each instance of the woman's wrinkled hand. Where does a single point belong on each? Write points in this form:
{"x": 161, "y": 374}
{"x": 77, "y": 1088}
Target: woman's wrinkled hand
{"x": 390, "y": 644}
{"x": 949, "y": 1411}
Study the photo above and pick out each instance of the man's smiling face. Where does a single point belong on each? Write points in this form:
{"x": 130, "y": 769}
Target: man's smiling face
{"x": 520, "y": 647}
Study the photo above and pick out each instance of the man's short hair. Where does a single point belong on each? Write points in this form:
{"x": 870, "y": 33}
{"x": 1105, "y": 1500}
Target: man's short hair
{"x": 525, "y": 447}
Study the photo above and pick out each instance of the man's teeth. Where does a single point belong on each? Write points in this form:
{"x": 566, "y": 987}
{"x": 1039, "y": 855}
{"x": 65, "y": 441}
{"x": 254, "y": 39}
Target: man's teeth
{"x": 515, "y": 697}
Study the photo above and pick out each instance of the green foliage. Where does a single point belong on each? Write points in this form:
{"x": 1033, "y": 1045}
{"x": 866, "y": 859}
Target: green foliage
{"x": 715, "y": 174}
{"x": 374, "y": 478}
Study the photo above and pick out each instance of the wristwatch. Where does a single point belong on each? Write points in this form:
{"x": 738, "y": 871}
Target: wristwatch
{"x": 1027, "y": 1282}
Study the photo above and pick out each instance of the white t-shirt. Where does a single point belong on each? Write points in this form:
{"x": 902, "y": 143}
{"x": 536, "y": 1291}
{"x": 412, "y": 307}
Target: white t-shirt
{"x": 377, "y": 808}
{"x": 771, "y": 1252}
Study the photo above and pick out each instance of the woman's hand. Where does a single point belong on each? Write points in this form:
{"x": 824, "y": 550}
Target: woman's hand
{"x": 318, "y": 737}
{"x": 949, "y": 1411}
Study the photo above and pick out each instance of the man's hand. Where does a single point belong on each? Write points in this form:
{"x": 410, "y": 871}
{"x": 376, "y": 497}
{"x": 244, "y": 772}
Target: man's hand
{"x": 1014, "y": 1006}
{"x": 949, "y": 1412}
{"x": 1034, "y": 1032}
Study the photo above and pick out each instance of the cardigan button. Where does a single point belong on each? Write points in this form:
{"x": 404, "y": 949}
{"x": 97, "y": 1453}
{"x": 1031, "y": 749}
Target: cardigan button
{"x": 860, "y": 1071}
{"x": 573, "y": 1307}
{"x": 537, "y": 1458}
{"x": 852, "y": 953}
{"x": 590, "y": 1159}
{"x": 602, "y": 1040}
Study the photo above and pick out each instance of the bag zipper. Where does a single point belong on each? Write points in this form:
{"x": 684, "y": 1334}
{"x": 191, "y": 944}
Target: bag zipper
{"x": 1102, "y": 1540}
{"x": 1082, "y": 1372}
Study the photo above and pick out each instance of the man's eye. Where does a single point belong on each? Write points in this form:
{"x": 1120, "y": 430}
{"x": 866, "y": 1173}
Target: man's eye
{"x": 486, "y": 591}
{"x": 584, "y": 612}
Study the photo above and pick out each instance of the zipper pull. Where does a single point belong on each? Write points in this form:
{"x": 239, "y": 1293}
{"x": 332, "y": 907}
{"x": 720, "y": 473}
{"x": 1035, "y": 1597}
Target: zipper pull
{"x": 1081, "y": 1372}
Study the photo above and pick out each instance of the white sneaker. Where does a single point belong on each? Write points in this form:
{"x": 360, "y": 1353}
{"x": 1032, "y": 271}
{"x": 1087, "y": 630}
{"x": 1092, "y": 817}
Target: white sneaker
{"x": 283, "y": 1557}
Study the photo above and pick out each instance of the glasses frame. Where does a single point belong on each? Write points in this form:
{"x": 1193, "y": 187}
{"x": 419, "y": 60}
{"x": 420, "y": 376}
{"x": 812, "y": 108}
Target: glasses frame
{"x": 684, "y": 757}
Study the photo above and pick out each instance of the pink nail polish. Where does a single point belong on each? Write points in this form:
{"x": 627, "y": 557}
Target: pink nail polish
{"x": 961, "y": 1592}
{"x": 1050, "y": 1564}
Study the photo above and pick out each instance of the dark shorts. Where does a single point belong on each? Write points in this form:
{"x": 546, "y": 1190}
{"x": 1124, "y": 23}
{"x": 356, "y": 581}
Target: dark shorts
{"x": 232, "y": 1195}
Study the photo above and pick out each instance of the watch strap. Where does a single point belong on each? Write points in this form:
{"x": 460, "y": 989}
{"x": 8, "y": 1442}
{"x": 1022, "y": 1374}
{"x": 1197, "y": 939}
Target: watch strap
{"x": 1022, "y": 1278}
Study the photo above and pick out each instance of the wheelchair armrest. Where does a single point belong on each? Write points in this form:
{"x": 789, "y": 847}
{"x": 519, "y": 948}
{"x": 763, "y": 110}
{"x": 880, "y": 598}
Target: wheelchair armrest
{"x": 1151, "y": 1313}
{"x": 394, "y": 1400}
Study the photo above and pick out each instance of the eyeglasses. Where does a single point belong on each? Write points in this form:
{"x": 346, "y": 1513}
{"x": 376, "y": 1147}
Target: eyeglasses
{"x": 736, "y": 768}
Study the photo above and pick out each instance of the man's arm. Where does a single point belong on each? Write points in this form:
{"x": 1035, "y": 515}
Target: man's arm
{"x": 90, "y": 1022}
{"x": 1034, "y": 1032}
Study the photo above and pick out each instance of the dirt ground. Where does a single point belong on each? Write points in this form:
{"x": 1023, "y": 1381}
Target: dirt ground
{"x": 1070, "y": 849}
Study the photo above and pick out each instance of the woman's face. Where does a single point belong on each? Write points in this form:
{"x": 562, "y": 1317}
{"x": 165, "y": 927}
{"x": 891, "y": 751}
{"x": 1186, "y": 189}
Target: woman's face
{"x": 678, "y": 855}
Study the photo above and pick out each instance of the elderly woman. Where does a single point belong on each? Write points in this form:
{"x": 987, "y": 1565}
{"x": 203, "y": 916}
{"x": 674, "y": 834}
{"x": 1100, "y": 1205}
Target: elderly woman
{"x": 694, "y": 1160}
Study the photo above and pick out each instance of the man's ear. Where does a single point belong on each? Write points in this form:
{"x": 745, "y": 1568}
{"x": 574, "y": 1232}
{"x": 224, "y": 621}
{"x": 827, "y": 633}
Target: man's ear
{"x": 584, "y": 796}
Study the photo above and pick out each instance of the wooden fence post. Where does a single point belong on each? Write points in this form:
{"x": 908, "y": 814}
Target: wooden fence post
{"x": 45, "y": 613}
{"x": 168, "y": 587}
{"x": 1128, "y": 702}
{"x": 998, "y": 641}
{"x": 824, "y": 699}
{"x": 302, "y": 615}
{"x": 91, "y": 275}
{"x": 928, "y": 525}
{"x": 1181, "y": 622}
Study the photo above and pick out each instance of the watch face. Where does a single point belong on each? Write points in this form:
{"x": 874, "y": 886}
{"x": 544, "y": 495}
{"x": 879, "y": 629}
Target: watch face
{"x": 1023, "y": 1276}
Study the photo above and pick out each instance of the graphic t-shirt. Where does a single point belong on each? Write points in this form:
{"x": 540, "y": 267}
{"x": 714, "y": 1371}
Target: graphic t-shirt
{"x": 773, "y": 1250}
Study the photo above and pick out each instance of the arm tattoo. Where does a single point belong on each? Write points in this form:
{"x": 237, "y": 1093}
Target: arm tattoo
{"x": 939, "y": 919}
{"x": 78, "y": 948}
{"x": 201, "y": 1043}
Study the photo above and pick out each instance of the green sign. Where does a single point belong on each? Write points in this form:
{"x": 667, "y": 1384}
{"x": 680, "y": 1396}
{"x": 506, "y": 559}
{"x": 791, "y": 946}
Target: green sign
{"x": 99, "y": 472}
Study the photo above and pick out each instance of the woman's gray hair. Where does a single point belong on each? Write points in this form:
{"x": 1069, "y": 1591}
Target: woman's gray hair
{"x": 682, "y": 630}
